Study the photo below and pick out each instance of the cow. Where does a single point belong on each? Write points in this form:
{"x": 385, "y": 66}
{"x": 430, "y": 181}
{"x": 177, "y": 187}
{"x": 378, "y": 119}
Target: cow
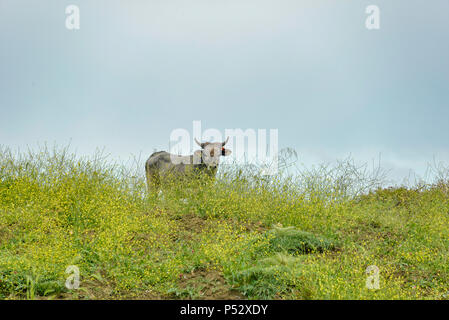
{"x": 206, "y": 160}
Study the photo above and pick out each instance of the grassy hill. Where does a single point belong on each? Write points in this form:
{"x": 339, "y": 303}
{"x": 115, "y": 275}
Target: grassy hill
{"x": 243, "y": 236}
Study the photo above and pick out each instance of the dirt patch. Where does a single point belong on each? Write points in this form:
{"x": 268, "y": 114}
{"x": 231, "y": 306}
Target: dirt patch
{"x": 255, "y": 226}
{"x": 5, "y": 235}
{"x": 192, "y": 222}
{"x": 417, "y": 279}
{"x": 208, "y": 285}
{"x": 98, "y": 288}
{"x": 189, "y": 225}
{"x": 372, "y": 231}
{"x": 144, "y": 295}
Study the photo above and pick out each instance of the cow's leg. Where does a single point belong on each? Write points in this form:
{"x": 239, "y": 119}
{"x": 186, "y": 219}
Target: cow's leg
{"x": 156, "y": 182}
{"x": 149, "y": 182}
{"x": 153, "y": 183}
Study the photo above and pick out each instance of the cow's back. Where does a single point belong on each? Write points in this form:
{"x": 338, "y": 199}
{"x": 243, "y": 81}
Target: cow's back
{"x": 163, "y": 161}
{"x": 157, "y": 161}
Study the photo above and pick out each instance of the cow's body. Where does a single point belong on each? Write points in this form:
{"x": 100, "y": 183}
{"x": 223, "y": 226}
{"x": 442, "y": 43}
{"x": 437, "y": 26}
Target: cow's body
{"x": 162, "y": 164}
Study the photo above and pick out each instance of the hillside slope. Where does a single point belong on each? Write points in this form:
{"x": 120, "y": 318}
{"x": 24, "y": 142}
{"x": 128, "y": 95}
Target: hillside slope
{"x": 239, "y": 237}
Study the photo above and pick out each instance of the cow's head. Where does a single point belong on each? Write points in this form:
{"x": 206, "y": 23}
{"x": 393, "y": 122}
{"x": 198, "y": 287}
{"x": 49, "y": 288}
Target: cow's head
{"x": 211, "y": 151}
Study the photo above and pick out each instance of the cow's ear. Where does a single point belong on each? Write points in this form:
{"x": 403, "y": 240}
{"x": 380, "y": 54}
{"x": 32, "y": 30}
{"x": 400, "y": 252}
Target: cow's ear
{"x": 226, "y": 152}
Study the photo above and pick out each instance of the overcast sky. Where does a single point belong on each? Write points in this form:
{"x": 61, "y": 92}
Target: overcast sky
{"x": 136, "y": 70}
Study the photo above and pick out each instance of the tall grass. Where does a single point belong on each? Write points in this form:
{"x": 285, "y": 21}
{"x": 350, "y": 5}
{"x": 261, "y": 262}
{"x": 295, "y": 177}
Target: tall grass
{"x": 305, "y": 233}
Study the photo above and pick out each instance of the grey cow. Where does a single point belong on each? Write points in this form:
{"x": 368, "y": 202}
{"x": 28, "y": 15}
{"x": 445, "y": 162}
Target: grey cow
{"x": 162, "y": 163}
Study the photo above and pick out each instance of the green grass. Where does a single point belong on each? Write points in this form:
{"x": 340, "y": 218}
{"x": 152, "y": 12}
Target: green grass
{"x": 294, "y": 242}
{"x": 241, "y": 236}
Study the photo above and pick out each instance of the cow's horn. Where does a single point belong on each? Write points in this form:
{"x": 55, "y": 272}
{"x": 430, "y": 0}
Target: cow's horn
{"x": 225, "y": 142}
{"x": 200, "y": 144}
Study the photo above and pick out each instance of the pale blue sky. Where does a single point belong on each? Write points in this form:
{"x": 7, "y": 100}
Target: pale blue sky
{"x": 136, "y": 70}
